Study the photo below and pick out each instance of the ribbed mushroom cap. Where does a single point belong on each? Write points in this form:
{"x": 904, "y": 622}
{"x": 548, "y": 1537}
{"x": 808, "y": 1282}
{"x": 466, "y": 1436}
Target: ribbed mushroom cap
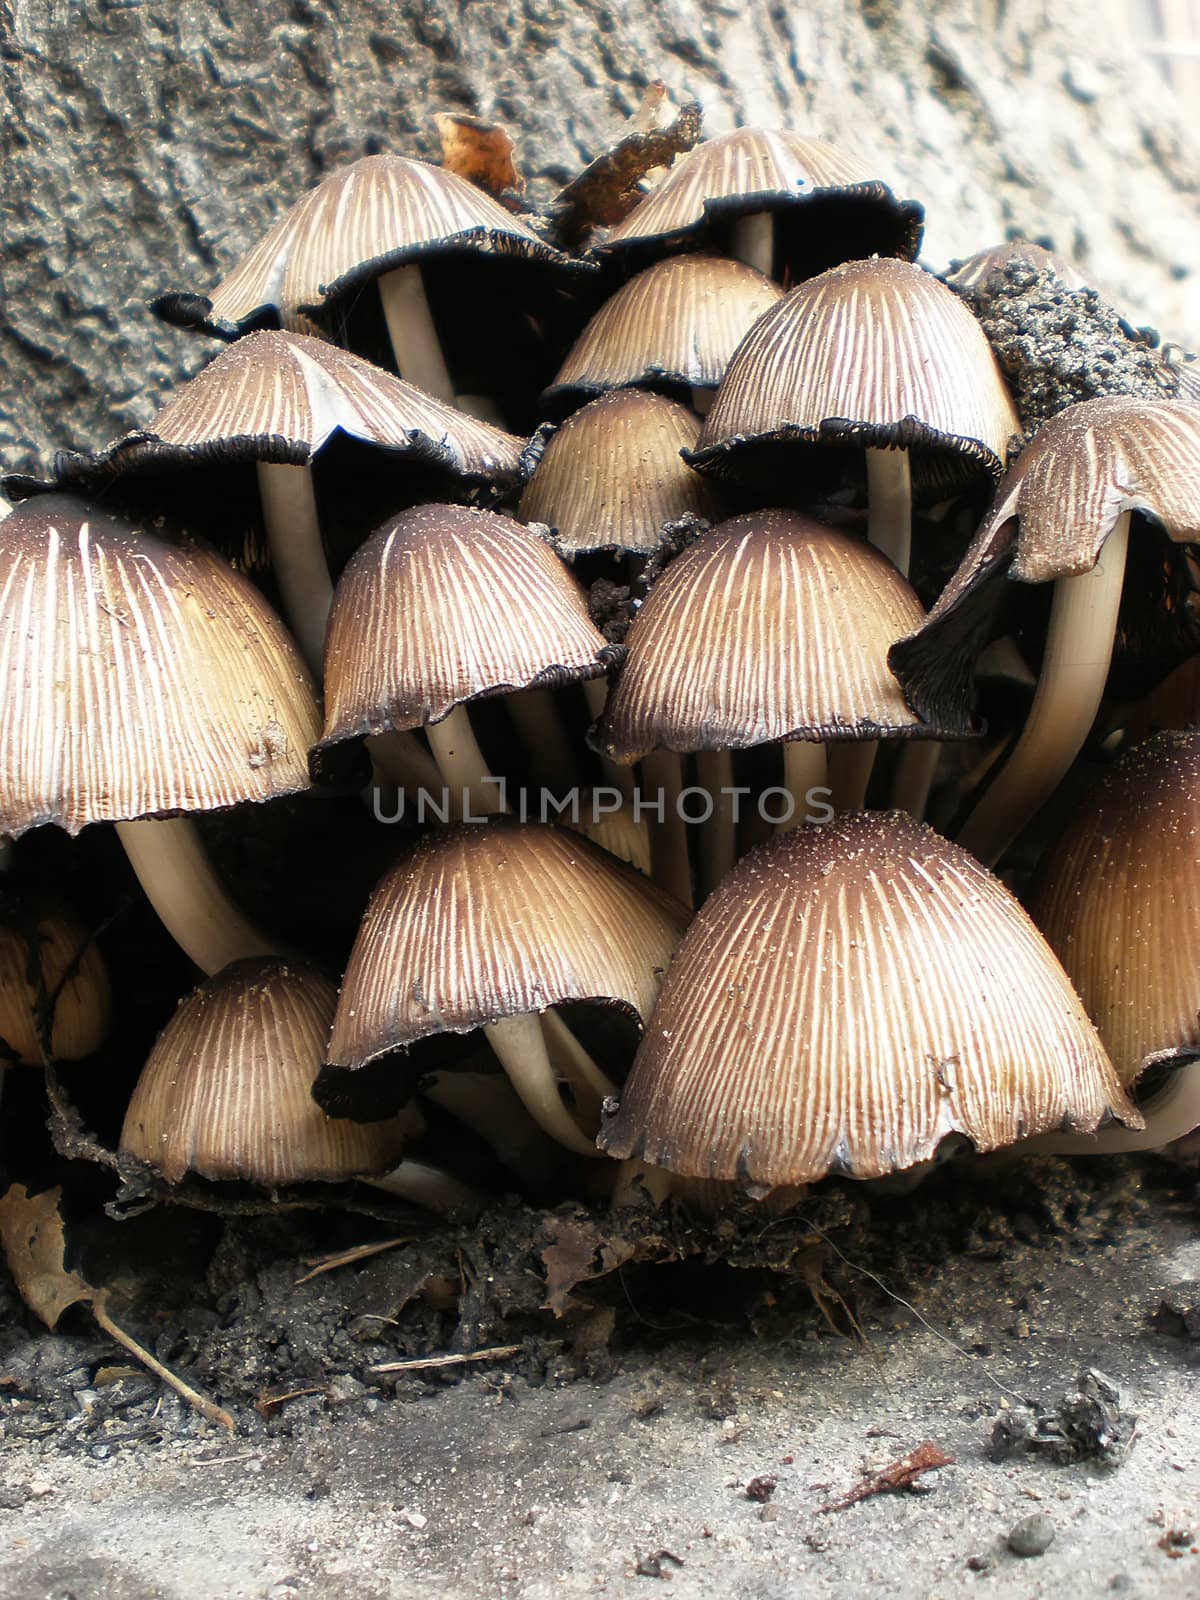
{"x": 38, "y": 950}
{"x": 1118, "y": 899}
{"x": 227, "y": 1090}
{"x": 443, "y": 605}
{"x": 839, "y": 202}
{"x": 1057, "y": 505}
{"x": 975, "y": 271}
{"x": 283, "y": 397}
{"x": 612, "y": 476}
{"x": 873, "y": 353}
{"x": 676, "y": 323}
{"x": 141, "y": 676}
{"x": 771, "y": 626}
{"x": 482, "y": 923}
{"x": 362, "y": 220}
{"x": 849, "y": 996}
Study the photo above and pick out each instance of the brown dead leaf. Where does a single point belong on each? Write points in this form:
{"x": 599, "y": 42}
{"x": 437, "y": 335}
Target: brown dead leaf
{"x": 31, "y": 1230}
{"x": 607, "y": 189}
{"x": 578, "y": 1252}
{"x": 481, "y": 152}
{"x": 899, "y": 1475}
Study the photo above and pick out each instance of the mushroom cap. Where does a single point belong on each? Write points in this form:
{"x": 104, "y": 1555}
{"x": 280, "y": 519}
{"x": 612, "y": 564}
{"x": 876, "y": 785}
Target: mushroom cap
{"x": 770, "y": 626}
{"x": 612, "y": 477}
{"x": 282, "y": 397}
{"x": 874, "y": 354}
{"x": 482, "y": 923}
{"x": 50, "y": 945}
{"x": 1050, "y": 517}
{"x": 443, "y": 605}
{"x": 227, "y": 1089}
{"x": 839, "y": 201}
{"x": 142, "y": 676}
{"x": 363, "y": 220}
{"x": 1118, "y": 899}
{"x": 677, "y": 323}
{"x": 974, "y": 272}
{"x": 850, "y": 995}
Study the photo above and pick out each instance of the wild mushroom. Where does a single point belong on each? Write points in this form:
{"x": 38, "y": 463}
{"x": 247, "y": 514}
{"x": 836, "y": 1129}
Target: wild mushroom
{"x": 876, "y": 356}
{"x": 144, "y": 679}
{"x": 974, "y": 272}
{"x": 55, "y": 998}
{"x": 1064, "y": 514}
{"x": 772, "y": 199}
{"x": 488, "y": 927}
{"x": 852, "y": 995}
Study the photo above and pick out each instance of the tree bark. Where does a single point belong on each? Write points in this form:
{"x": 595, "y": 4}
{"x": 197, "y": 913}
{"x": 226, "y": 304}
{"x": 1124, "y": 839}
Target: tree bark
{"x": 147, "y": 143}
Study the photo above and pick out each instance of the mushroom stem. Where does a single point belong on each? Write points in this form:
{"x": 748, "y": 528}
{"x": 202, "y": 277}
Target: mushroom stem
{"x": 850, "y": 766}
{"x": 487, "y": 1103}
{"x": 590, "y": 1086}
{"x": 595, "y": 692}
{"x": 520, "y": 1045}
{"x": 191, "y": 901}
{"x": 662, "y": 775}
{"x": 537, "y": 720}
{"x": 915, "y": 772}
{"x": 415, "y": 343}
{"x": 889, "y": 505}
{"x": 1172, "y": 1114}
{"x": 462, "y": 766}
{"x": 429, "y": 1187}
{"x": 289, "y": 508}
{"x": 805, "y": 768}
{"x": 483, "y": 407}
{"x": 702, "y": 400}
{"x": 753, "y": 241}
{"x": 1079, "y": 646}
{"x": 402, "y": 759}
{"x": 718, "y": 839}
{"x": 637, "y": 1182}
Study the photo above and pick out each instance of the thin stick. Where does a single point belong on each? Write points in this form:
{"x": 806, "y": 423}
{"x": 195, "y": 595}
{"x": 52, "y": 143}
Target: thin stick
{"x": 297, "y": 554}
{"x": 1079, "y": 646}
{"x": 415, "y": 343}
{"x": 889, "y": 504}
{"x": 207, "y": 1408}
{"x": 498, "y": 1352}
{"x": 347, "y": 1258}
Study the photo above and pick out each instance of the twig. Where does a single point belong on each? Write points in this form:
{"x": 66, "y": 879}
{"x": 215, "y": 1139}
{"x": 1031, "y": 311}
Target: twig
{"x": 496, "y": 1353}
{"x": 902, "y": 1474}
{"x": 206, "y": 1408}
{"x": 347, "y": 1258}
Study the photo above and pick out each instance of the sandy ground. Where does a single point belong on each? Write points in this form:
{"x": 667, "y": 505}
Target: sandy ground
{"x": 543, "y": 1480}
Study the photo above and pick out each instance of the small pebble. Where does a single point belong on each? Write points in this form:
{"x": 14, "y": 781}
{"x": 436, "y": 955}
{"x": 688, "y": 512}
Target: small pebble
{"x": 1032, "y": 1536}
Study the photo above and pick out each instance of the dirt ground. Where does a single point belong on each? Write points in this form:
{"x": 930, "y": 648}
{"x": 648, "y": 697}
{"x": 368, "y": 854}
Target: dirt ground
{"x": 619, "y": 1445}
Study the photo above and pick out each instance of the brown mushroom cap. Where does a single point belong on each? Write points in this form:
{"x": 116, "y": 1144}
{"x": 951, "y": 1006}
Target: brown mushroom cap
{"x": 612, "y": 476}
{"x": 675, "y": 324}
{"x": 874, "y": 354}
{"x": 227, "y": 1090}
{"x": 1118, "y": 899}
{"x": 975, "y": 271}
{"x": 141, "y": 675}
{"x": 770, "y": 626}
{"x": 444, "y": 605}
{"x": 841, "y": 208}
{"x": 849, "y": 996}
{"x": 283, "y": 397}
{"x": 483, "y": 923}
{"x": 54, "y": 950}
{"x": 361, "y": 221}
{"x": 1057, "y": 505}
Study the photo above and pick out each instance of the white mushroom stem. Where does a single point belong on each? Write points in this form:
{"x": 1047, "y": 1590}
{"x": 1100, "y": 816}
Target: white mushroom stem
{"x": 753, "y": 241}
{"x": 805, "y": 768}
{"x": 1079, "y": 646}
{"x": 536, "y": 718}
{"x": 595, "y": 692}
{"x": 718, "y": 838}
{"x": 1172, "y": 1114}
{"x": 662, "y": 784}
{"x": 289, "y": 508}
{"x": 415, "y": 343}
{"x": 487, "y": 1103}
{"x": 520, "y": 1045}
{"x": 429, "y": 1187}
{"x": 462, "y": 765}
{"x": 402, "y": 759}
{"x": 191, "y": 901}
{"x": 915, "y": 772}
{"x": 850, "y": 766}
{"x": 589, "y": 1085}
{"x": 889, "y": 505}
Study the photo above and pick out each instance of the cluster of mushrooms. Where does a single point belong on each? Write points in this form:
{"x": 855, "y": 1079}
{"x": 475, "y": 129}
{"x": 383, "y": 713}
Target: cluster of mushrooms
{"x": 651, "y": 677}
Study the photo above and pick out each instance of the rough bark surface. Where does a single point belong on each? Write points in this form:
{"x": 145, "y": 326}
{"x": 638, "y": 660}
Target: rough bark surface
{"x": 147, "y": 143}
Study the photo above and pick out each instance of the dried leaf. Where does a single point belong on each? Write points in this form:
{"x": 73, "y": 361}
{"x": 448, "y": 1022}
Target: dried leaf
{"x": 900, "y": 1474}
{"x": 481, "y": 152}
{"x": 579, "y": 1252}
{"x": 607, "y": 189}
{"x": 31, "y": 1230}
